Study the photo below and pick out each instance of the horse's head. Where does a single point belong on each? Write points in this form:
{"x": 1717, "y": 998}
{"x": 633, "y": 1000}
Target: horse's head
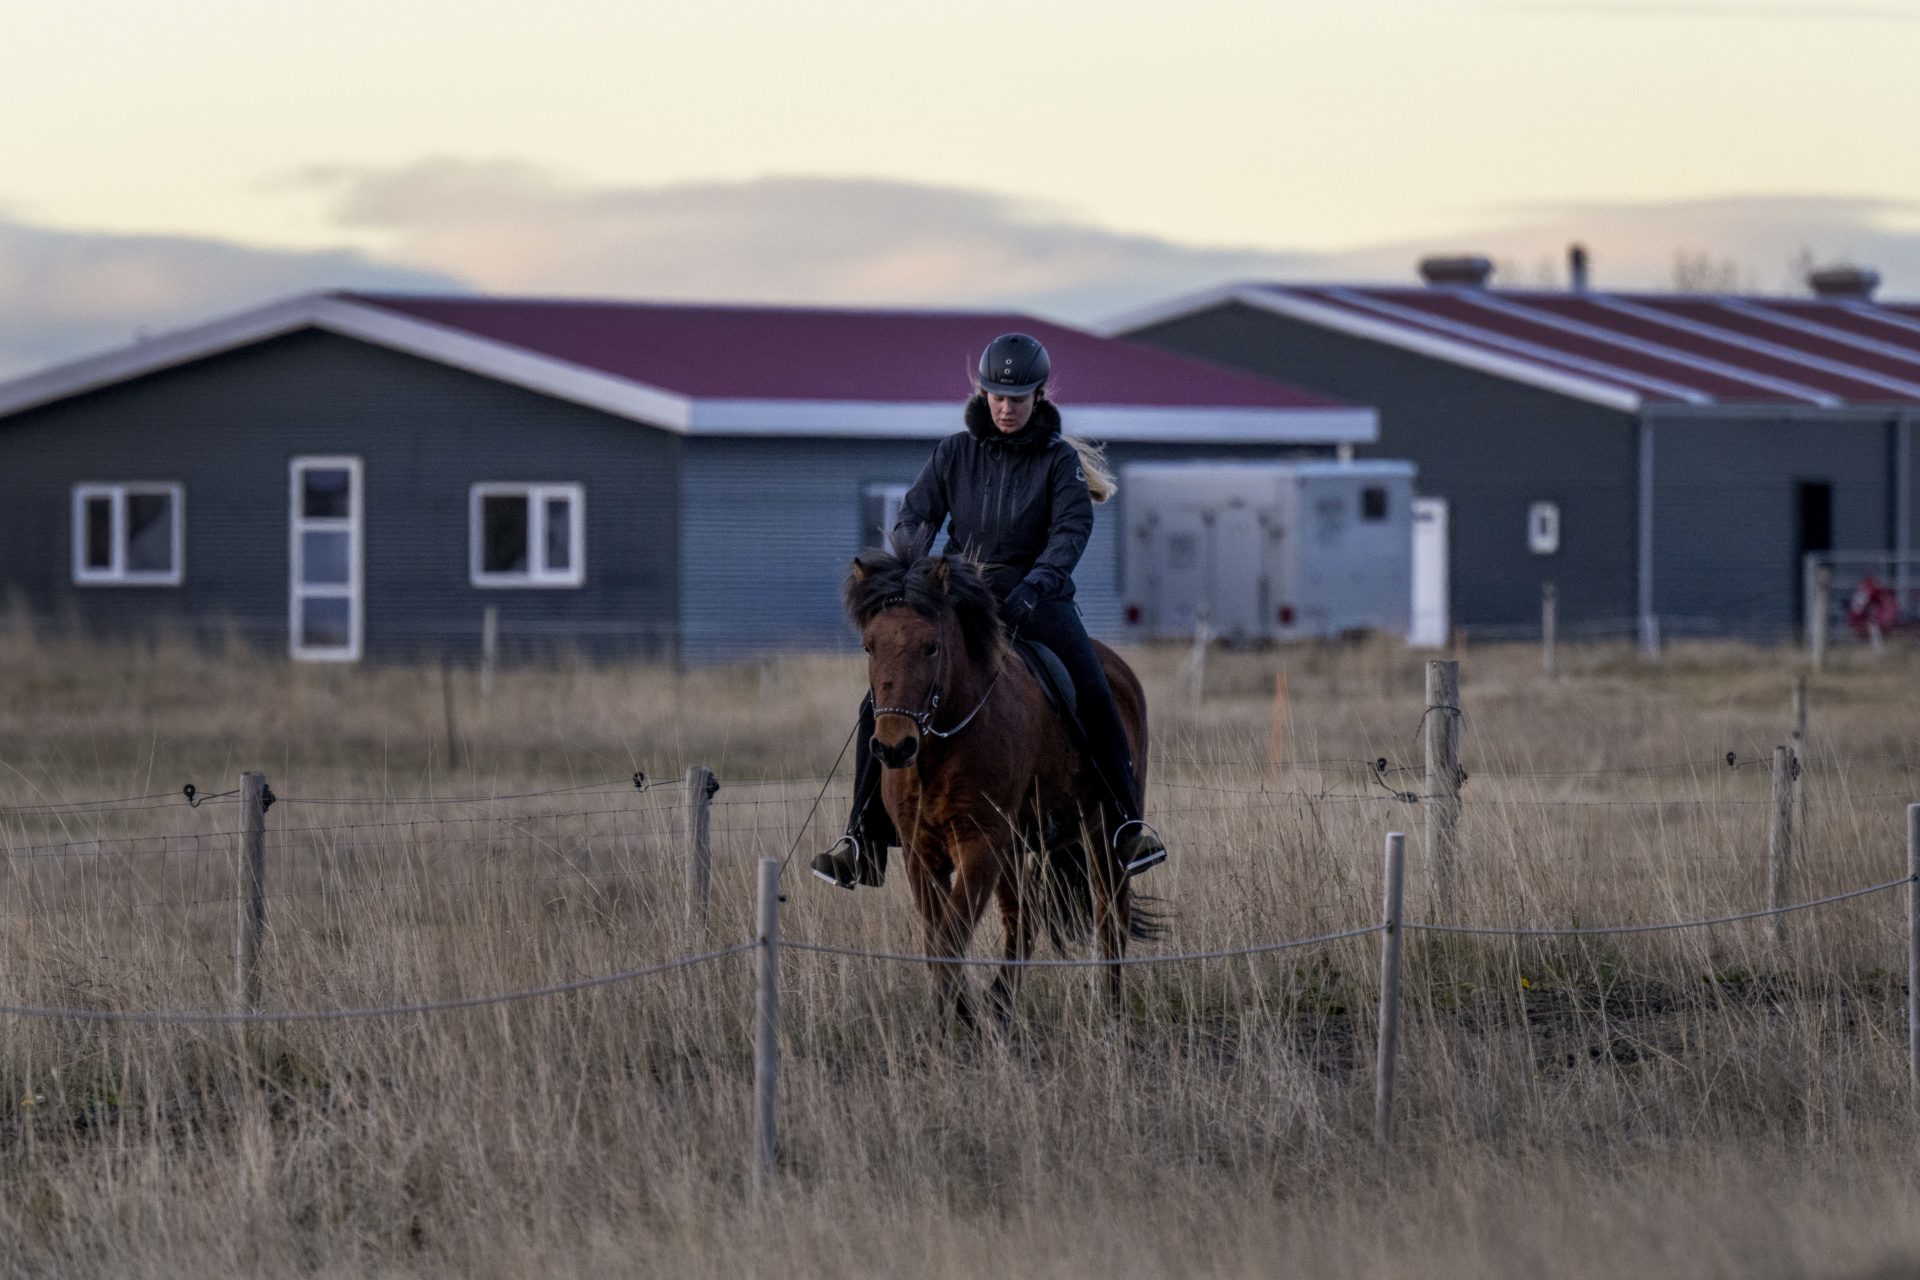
{"x": 927, "y": 624}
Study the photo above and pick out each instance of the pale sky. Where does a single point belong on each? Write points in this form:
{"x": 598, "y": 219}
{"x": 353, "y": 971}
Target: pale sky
{"x": 1077, "y": 156}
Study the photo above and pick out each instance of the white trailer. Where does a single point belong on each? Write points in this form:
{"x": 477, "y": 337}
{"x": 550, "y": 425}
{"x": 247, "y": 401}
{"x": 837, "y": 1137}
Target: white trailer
{"x": 1267, "y": 551}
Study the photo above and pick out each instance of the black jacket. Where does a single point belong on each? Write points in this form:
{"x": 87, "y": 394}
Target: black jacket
{"x": 1019, "y": 503}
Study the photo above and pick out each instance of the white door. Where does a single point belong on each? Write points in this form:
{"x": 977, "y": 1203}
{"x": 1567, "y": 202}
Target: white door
{"x": 324, "y": 559}
{"x": 1432, "y": 616}
{"x": 1236, "y": 583}
{"x": 1179, "y": 573}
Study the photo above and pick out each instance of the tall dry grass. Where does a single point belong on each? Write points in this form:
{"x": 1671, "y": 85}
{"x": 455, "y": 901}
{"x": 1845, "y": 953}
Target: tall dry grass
{"x": 1698, "y": 1102}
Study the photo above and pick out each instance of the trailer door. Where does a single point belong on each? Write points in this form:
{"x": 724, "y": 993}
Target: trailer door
{"x": 1179, "y": 582}
{"x": 1235, "y": 570}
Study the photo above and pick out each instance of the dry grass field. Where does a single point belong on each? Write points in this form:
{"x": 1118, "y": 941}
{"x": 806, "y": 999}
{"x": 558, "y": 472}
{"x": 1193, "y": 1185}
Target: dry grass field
{"x": 1700, "y": 1103}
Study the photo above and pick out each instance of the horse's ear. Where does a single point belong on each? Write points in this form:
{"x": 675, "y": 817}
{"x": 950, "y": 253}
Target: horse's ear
{"x": 859, "y": 571}
{"x": 937, "y": 573}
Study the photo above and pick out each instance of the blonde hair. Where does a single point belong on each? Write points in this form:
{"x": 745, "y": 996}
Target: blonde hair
{"x": 1093, "y": 461}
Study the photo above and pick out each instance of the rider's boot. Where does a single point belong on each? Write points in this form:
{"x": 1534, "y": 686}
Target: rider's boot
{"x": 840, "y": 865}
{"x": 1138, "y": 847}
{"x": 851, "y": 862}
{"x": 860, "y": 856}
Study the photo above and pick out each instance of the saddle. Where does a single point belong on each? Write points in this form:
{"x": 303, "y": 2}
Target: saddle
{"x": 1054, "y": 680}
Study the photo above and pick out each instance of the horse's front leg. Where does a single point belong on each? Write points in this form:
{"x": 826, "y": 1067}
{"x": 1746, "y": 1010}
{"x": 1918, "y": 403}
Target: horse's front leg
{"x": 931, "y": 890}
{"x": 976, "y": 868}
{"x": 1016, "y": 919}
{"x": 1110, "y": 914}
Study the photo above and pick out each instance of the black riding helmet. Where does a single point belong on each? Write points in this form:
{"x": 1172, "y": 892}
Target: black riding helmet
{"x": 1014, "y": 365}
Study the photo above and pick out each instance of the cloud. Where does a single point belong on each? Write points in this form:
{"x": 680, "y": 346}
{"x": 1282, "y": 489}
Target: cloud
{"x": 511, "y": 227}
{"x": 1759, "y": 243}
{"x": 456, "y": 225}
{"x": 65, "y": 294}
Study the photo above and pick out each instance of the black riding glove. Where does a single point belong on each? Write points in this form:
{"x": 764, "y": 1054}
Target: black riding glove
{"x": 1019, "y": 605}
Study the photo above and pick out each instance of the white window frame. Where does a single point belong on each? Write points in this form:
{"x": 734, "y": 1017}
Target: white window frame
{"x": 298, "y": 523}
{"x": 116, "y": 574}
{"x": 537, "y": 493}
{"x": 1543, "y": 528}
{"x": 892, "y": 497}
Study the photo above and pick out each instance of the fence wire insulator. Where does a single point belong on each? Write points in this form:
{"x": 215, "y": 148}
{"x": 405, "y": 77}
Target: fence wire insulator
{"x": 266, "y": 798}
{"x": 1733, "y": 759}
{"x": 639, "y": 780}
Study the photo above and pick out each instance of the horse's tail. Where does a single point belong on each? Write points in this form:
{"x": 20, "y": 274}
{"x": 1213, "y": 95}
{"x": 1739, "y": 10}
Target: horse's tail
{"x": 1065, "y": 891}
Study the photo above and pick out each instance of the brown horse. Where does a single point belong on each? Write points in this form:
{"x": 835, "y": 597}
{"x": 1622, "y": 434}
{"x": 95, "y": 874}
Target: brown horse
{"x": 982, "y": 780}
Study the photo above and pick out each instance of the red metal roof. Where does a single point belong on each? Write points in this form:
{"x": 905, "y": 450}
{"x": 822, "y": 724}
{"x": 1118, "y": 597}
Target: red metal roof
{"x": 820, "y": 354}
{"x": 1699, "y": 349}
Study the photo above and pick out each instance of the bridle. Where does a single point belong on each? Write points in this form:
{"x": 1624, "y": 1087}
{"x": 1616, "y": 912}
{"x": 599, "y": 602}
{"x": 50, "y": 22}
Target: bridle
{"x": 923, "y": 718}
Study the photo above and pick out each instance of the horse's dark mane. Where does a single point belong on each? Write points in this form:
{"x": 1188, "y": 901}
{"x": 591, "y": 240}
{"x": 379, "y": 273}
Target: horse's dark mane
{"x": 903, "y": 573}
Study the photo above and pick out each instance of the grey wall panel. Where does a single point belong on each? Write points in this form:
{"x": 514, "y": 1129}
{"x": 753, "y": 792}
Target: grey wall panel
{"x": 1490, "y": 447}
{"x": 227, "y": 427}
{"x": 770, "y": 525}
{"x": 1726, "y": 495}
{"x": 768, "y": 530}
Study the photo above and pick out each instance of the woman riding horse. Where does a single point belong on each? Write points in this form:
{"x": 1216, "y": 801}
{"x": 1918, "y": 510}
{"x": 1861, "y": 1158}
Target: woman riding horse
{"x": 1020, "y": 497}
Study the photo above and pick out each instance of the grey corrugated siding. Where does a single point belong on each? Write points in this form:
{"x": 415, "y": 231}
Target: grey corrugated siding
{"x": 1489, "y": 446}
{"x": 227, "y": 426}
{"x": 769, "y": 527}
{"x": 1726, "y": 505}
{"x": 1725, "y": 501}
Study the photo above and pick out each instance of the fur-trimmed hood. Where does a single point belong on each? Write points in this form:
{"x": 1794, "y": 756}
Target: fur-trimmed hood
{"x": 1035, "y": 436}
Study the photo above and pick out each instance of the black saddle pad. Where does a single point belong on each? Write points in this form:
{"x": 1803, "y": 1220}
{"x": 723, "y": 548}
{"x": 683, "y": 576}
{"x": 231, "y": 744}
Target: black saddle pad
{"x": 1052, "y": 675}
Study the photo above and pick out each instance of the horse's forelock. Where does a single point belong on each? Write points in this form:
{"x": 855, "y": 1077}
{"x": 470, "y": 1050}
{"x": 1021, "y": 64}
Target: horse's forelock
{"x": 931, "y": 586}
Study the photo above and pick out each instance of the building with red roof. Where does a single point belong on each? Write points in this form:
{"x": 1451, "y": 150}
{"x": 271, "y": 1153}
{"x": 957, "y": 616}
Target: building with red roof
{"x": 356, "y": 474}
{"x": 1665, "y": 460}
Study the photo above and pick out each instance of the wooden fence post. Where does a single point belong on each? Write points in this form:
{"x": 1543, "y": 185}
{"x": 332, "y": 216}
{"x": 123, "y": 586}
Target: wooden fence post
{"x": 701, "y": 784}
{"x": 489, "y": 647}
{"x": 1913, "y": 947}
{"x": 1277, "y": 728}
{"x": 1780, "y": 843}
{"x": 253, "y": 889}
{"x": 766, "y": 1024}
{"x": 1818, "y": 603}
{"x": 1549, "y": 629}
{"x": 1197, "y": 672}
{"x": 1441, "y": 720}
{"x": 1391, "y": 899}
{"x": 454, "y": 753}
{"x": 1799, "y": 745}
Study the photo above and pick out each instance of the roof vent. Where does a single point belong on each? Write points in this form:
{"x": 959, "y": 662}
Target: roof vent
{"x": 1577, "y": 268}
{"x": 1470, "y": 270}
{"x": 1843, "y": 283}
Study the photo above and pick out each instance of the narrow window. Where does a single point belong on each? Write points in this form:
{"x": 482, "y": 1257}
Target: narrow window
{"x": 326, "y": 526}
{"x": 1373, "y": 503}
{"x": 128, "y": 534}
{"x": 527, "y": 535}
{"x": 1543, "y": 528}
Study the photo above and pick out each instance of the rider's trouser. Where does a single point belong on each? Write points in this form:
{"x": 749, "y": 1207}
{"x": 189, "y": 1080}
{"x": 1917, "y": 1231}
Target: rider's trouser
{"x": 1056, "y": 624}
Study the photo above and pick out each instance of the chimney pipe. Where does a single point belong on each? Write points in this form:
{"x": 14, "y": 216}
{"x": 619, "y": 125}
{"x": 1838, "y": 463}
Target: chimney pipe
{"x": 1843, "y": 284}
{"x": 1577, "y": 268}
{"x": 1468, "y": 270}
